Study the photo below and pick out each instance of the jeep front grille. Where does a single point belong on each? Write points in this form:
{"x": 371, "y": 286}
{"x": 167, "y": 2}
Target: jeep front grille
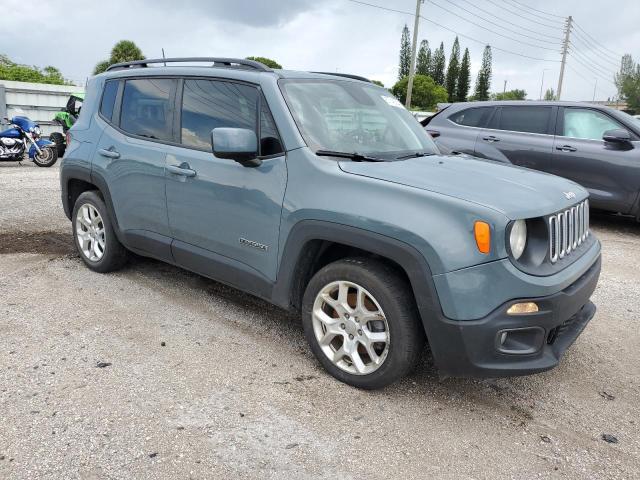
{"x": 567, "y": 230}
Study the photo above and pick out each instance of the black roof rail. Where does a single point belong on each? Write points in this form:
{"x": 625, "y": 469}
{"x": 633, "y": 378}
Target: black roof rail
{"x": 215, "y": 61}
{"x": 346, "y": 75}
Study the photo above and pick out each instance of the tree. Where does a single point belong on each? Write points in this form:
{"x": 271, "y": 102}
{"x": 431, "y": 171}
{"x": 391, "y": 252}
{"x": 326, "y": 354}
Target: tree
{"x": 438, "y": 65}
{"x": 425, "y": 94}
{"x": 549, "y": 94}
{"x": 464, "y": 78}
{"x": 267, "y": 61}
{"x": 377, "y": 82}
{"x": 483, "y": 81}
{"x": 510, "y": 95}
{"x": 9, "y": 70}
{"x": 423, "y": 65}
{"x": 453, "y": 70}
{"x": 123, "y": 51}
{"x": 405, "y": 54}
{"x": 628, "y": 82}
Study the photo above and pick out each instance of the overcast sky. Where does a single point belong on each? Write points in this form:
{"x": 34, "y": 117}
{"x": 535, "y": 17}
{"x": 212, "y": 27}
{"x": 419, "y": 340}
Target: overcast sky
{"x": 330, "y": 35}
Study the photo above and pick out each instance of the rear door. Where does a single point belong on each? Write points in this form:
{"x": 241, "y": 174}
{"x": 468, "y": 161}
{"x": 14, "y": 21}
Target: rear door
{"x": 521, "y": 134}
{"x": 458, "y": 130}
{"x": 610, "y": 172}
{"x": 130, "y": 157}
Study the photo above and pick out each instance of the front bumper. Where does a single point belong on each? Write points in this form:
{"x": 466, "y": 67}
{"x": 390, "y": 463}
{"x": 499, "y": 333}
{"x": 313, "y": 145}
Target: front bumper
{"x": 474, "y": 349}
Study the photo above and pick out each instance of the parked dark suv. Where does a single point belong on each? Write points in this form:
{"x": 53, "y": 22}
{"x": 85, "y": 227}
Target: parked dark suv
{"x": 595, "y": 146}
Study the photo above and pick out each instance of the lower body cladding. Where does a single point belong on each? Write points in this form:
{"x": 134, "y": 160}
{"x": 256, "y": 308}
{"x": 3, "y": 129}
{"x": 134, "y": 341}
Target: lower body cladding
{"x": 503, "y": 344}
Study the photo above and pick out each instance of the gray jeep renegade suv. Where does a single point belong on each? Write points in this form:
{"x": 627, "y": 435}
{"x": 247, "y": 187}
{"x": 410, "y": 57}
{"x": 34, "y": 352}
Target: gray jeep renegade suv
{"x": 321, "y": 194}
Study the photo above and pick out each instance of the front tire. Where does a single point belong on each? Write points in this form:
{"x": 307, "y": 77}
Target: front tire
{"x": 360, "y": 319}
{"x": 47, "y": 158}
{"x": 94, "y": 235}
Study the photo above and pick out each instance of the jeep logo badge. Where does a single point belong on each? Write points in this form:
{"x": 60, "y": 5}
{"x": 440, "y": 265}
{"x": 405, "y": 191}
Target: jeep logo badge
{"x": 569, "y": 195}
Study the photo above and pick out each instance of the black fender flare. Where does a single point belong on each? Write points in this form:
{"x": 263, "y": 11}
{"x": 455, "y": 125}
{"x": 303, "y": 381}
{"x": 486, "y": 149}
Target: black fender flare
{"x": 406, "y": 256}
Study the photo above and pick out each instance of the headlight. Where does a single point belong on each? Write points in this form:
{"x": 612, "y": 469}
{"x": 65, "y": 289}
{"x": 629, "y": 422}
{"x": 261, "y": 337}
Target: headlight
{"x": 518, "y": 238}
{"x": 36, "y": 131}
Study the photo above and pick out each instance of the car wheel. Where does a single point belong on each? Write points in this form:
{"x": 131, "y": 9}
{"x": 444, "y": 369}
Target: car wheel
{"x": 360, "y": 319}
{"x": 94, "y": 236}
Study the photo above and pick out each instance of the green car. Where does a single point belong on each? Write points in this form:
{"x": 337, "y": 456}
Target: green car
{"x": 66, "y": 118}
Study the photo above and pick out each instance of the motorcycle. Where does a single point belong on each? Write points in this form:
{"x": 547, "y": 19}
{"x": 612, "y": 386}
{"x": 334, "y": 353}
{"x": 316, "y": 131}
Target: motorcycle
{"x": 22, "y": 134}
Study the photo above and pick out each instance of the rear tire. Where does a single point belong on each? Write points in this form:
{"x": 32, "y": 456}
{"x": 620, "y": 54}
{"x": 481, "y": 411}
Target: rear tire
{"x": 58, "y": 139}
{"x": 48, "y": 157}
{"x": 94, "y": 236}
{"x": 370, "y": 336}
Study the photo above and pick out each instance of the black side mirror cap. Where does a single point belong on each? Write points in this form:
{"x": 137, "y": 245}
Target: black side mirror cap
{"x": 617, "y": 135}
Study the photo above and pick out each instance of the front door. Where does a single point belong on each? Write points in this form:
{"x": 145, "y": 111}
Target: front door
{"x": 609, "y": 171}
{"x": 224, "y": 217}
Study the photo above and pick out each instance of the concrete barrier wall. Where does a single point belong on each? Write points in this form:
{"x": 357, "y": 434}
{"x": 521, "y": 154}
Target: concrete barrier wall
{"x": 38, "y": 101}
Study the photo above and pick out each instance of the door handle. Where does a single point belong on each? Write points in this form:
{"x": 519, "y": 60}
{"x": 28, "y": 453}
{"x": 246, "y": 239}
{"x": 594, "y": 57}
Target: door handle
{"x": 182, "y": 170}
{"x": 491, "y": 138}
{"x": 108, "y": 153}
{"x": 566, "y": 148}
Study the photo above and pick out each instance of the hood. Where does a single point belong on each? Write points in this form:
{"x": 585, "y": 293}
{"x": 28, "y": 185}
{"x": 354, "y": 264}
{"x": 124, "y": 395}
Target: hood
{"x": 514, "y": 191}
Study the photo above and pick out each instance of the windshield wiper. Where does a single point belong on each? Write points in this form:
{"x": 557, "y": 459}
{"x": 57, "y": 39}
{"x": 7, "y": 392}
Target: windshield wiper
{"x": 355, "y": 156}
{"x": 413, "y": 155}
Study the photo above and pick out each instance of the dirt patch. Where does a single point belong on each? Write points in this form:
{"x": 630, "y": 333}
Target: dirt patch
{"x": 47, "y": 243}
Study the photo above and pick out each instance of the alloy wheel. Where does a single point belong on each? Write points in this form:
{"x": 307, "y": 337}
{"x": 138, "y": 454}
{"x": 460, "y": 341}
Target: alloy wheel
{"x": 350, "y": 327}
{"x": 90, "y": 232}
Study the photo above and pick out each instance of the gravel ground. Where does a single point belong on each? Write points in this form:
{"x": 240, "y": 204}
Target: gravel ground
{"x": 153, "y": 372}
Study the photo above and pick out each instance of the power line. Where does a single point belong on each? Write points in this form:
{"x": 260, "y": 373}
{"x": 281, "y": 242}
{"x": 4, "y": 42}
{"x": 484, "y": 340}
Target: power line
{"x": 594, "y": 72}
{"x": 453, "y": 31}
{"x": 558, "y": 40}
{"x": 489, "y": 30}
{"x": 591, "y": 46}
{"x": 598, "y": 43}
{"x": 595, "y": 65}
{"x": 499, "y": 25}
{"x": 520, "y": 14}
{"x": 536, "y": 10}
{"x": 590, "y": 51}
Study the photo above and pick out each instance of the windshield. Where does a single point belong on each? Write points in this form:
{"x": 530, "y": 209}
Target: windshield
{"x": 345, "y": 116}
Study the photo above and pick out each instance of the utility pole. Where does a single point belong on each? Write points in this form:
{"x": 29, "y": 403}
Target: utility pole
{"x": 594, "y": 90}
{"x": 412, "y": 70}
{"x": 542, "y": 82}
{"x": 504, "y": 90}
{"x": 565, "y": 47}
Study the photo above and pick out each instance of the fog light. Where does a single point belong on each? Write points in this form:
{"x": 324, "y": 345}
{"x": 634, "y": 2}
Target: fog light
{"x": 522, "y": 308}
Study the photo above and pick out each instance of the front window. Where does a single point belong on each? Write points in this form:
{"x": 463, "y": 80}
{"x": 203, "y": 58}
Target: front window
{"x": 352, "y": 117}
{"x": 587, "y": 124}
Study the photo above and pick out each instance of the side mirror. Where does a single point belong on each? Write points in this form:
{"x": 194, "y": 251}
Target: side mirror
{"x": 239, "y": 144}
{"x": 433, "y": 133}
{"x": 618, "y": 135}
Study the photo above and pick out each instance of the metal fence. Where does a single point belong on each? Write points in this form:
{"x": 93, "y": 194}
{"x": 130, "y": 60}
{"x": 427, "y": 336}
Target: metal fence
{"x": 38, "y": 101}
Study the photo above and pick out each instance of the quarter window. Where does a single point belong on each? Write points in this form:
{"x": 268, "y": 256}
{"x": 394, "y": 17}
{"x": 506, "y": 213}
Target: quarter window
{"x": 146, "y": 108}
{"x": 270, "y": 143}
{"x": 209, "y": 104}
{"x": 472, "y": 117}
{"x": 586, "y": 123}
{"x": 525, "y": 119}
{"x": 109, "y": 98}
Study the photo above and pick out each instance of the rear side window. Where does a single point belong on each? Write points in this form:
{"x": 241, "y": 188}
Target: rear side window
{"x": 525, "y": 119}
{"x": 209, "y": 104}
{"x": 472, "y": 117}
{"x": 109, "y": 98}
{"x": 146, "y": 108}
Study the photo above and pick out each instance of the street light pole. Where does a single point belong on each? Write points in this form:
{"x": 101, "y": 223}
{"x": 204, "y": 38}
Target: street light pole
{"x": 412, "y": 70}
{"x": 542, "y": 82}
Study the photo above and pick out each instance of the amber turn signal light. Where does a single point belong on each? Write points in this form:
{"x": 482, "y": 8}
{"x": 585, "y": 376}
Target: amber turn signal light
{"x": 523, "y": 308}
{"x": 482, "y": 232}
